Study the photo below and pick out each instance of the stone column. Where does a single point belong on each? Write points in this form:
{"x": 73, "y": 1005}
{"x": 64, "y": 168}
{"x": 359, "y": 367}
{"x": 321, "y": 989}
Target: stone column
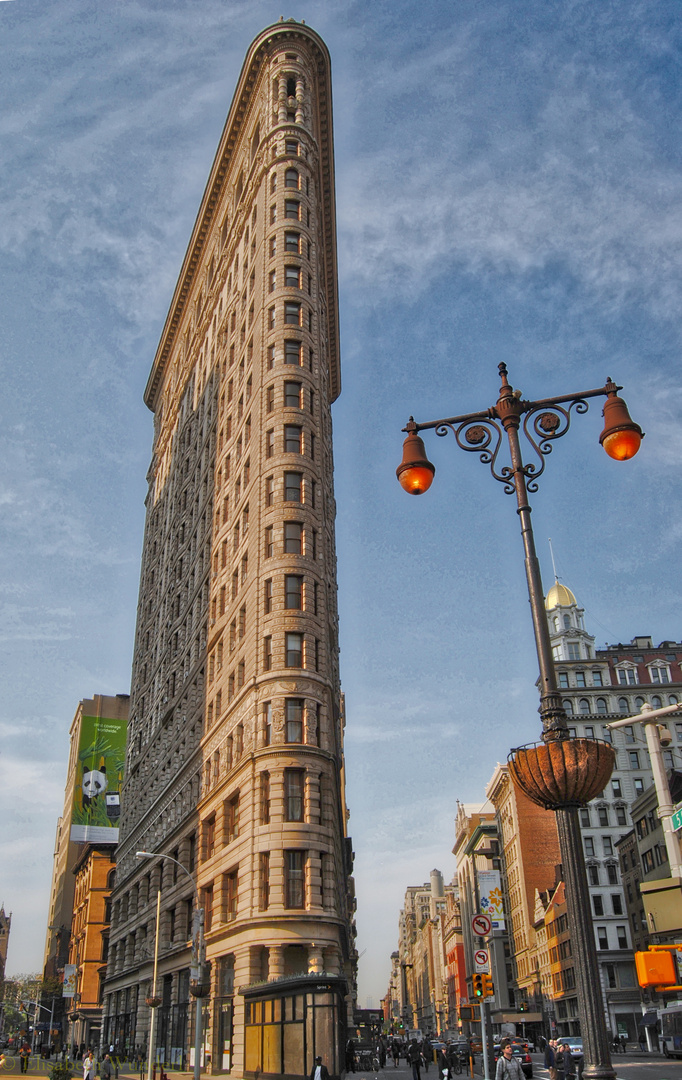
{"x": 276, "y": 962}
{"x": 300, "y": 101}
{"x": 314, "y": 879}
{"x": 282, "y": 100}
{"x": 315, "y": 958}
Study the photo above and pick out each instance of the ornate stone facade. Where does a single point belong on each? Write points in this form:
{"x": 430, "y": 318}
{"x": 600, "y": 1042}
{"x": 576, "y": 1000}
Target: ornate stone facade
{"x": 235, "y": 752}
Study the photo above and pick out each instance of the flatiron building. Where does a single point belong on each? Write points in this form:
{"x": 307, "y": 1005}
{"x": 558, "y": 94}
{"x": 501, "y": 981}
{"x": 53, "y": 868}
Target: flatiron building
{"x": 235, "y": 763}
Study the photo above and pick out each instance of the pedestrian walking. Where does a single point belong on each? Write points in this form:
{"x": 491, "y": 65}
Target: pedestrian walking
{"x": 350, "y": 1056}
{"x": 24, "y": 1055}
{"x": 508, "y": 1067}
{"x": 550, "y": 1059}
{"x": 89, "y": 1066}
{"x": 319, "y": 1071}
{"x": 414, "y": 1058}
{"x": 107, "y": 1068}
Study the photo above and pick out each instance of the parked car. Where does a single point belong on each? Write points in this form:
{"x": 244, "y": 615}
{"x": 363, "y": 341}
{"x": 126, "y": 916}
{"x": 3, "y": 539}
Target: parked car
{"x": 576, "y": 1045}
{"x": 522, "y": 1056}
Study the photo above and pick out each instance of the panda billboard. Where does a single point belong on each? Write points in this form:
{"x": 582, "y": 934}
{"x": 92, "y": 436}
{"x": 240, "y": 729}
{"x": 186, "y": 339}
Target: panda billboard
{"x": 99, "y": 775}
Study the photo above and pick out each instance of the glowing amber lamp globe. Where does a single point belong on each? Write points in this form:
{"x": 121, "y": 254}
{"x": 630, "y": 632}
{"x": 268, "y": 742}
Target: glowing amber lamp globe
{"x": 415, "y": 471}
{"x": 621, "y": 437}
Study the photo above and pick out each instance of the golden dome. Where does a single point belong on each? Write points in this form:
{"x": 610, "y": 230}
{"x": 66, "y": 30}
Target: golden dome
{"x": 559, "y": 596}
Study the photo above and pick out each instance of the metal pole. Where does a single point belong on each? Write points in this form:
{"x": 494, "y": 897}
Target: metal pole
{"x": 593, "y": 1023}
{"x": 150, "y": 1059}
{"x": 198, "y": 1038}
{"x": 648, "y": 719}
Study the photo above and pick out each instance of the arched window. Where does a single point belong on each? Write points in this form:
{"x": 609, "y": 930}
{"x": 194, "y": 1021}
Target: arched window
{"x": 672, "y": 699}
{"x": 584, "y": 705}
{"x": 623, "y": 706}
{"x": 601, "y": 706}
{"x": 568, "y": 706}
{"x": 639, "y": 701}
{"x": 656, "y": 701}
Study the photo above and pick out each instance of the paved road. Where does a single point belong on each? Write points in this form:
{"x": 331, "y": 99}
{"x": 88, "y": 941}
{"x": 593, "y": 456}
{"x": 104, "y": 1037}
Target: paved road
{"x": 628, "y": 1067}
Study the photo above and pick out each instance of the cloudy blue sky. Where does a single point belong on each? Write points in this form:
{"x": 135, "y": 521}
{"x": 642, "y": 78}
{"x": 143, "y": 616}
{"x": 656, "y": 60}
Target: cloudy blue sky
{"x": 509, "y": 188}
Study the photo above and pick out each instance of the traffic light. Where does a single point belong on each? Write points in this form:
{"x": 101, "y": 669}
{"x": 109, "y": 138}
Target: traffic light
{"x": 487, "y": 986}
{"x": 478, "y": 985}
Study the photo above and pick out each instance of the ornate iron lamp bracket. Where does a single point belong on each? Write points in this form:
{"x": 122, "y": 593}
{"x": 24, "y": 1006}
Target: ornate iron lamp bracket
{"x": 482, "y": 435}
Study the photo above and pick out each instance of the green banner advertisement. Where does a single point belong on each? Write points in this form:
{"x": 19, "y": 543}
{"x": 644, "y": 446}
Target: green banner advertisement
{"x": 99, "y": 776}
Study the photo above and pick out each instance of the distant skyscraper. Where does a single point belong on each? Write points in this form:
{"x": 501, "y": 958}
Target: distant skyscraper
{"x": 235, "y": 763}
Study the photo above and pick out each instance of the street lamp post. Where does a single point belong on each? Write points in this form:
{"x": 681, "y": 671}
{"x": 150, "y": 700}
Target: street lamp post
{"x": 197, "y": 988}
{"x": 560, "y": 773}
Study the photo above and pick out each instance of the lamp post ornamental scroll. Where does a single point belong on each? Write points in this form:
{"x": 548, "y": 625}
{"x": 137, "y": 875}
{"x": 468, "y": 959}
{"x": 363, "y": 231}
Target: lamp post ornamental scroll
{"x": 559, "y": 773}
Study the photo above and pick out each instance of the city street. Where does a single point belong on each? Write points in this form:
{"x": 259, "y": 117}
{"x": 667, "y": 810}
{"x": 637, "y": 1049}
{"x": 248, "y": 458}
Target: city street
{"x": 628, "y": 1067}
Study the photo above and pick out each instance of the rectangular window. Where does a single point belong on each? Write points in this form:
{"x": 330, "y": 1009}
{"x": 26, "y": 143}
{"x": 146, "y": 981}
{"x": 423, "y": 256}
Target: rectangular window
{"x": 293, "y": 538}
{"x": 273, "y": 246}
{"x": 573, "y": 650}
{"x": 294, "y": 650}
{"x": 267, "y": 723}
{"x": 292, "y": 277}
{"x": 267, "y": 596}
{"x": 293, "y": 352}
{"x": 638, "y": 784}
{"x": 292, "y": 242}
{"x": 232, "y": 819}
{"x": 294, "y": 720}
{"x": 598, "y": 903}
{"x": 633, "y": 757}
{"x": 621, "y": 817}
{"x": 627, "y": 677}
{"x": 272, "y": 281}
{"x": 622, "y": 937}
{"x": 263, "y": 880}
{"x": 292, "y": 395}
{"x": 617, "y": 903}
{"x": 597, "y": 679}
{"x": 269, "y": 490}
{"x": 231, "y": 889}
{"x": 270, "y": 399}
{"x": 607, "y": 844}
{"x": 629, "y": 734}
{"x": 295, "y": 879}
{"x": 585, "y": 818}
{"x": 293, "y": 439}
{"x": 616, "y": 789}
{"x": 292, "y": 209}
{"x": 273, "y": 214}
{"x": 269, "y": 443}
{"x": 271, "y": 357}
{"x": 269, "y": 541}
{"x": 209, "y": 837}
{"x": 603, "y": 816}
{"x": 602, "y": 938}
{"x": 292, "y": 487}
{"x": 293, "y": 592}
{"x": 264, "y": 798}
{"x": 563, "y": 680}
{"x": 593, "y": 874}
{"x": 208, "y": 907}
{"x": 267, "y": 653}
{"x": 589, "y": 845}
{"x": 292, "y": 313}
{"x": 271, "y": 318}
{"x": 580, "y": 678}
{"x": 294, "y": 780}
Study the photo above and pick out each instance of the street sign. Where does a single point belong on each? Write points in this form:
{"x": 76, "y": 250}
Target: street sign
{"x": 481, "y": 925}
{"x": 676, "y": 819}
{"x": 482, "y": 960}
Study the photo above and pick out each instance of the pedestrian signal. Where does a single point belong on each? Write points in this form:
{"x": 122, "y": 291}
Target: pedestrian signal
{"x": 478, "y": 985}
{"x": 655, "y": 969}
